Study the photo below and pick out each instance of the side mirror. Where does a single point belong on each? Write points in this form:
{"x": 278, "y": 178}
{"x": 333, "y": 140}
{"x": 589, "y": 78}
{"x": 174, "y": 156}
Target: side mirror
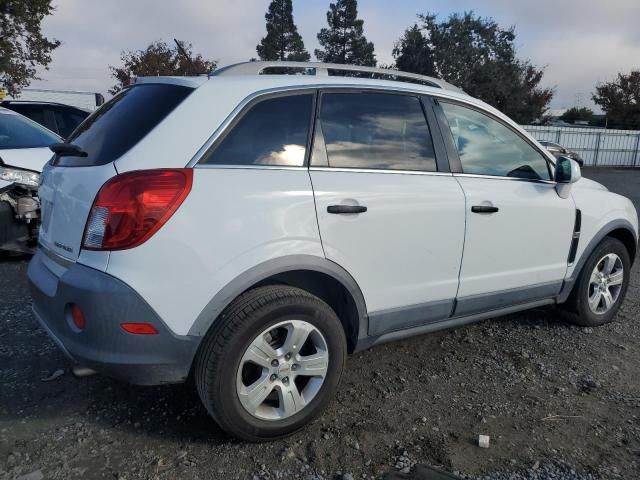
{"x": 567, "y": 172}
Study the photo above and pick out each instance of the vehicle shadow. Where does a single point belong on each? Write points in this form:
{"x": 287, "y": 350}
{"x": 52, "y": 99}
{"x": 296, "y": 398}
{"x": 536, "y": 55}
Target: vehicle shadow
{"x": 175, "y": 413}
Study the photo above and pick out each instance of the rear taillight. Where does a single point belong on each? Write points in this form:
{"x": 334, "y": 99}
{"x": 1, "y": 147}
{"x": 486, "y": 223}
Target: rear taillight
{"x": 131, "y": 207}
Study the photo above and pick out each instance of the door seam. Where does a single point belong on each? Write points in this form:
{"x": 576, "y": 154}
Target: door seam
{"x": 464, "y": 243}
{"x": 315, "y": 206}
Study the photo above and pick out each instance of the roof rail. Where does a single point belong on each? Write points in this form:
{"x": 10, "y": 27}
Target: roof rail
{"x": 323, "y": 69}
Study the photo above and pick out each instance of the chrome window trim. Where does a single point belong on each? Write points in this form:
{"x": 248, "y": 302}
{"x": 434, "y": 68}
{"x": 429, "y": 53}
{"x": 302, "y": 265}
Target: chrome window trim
{"x": 324, "y": 169}
{"x": 293, "y": 89}
{"x": 250, "y": 167}
{"x": 378, "y": 170}
{"x": 498, "y": 177}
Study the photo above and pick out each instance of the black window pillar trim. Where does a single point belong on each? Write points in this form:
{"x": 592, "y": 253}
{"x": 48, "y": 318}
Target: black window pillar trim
{"x": 455, "y": 165}
{"x": 315, "y": 108}
{"x": 444, "y": 161}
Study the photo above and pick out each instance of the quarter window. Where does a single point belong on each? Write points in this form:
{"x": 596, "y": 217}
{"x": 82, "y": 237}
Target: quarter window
{"x": 376, "y": 131}
{"x": 272, "y": 132}
{"x": 487, "y": 147}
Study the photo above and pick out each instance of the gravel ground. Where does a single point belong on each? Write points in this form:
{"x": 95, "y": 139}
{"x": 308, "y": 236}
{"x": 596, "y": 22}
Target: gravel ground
{"x": 557, "y": 401}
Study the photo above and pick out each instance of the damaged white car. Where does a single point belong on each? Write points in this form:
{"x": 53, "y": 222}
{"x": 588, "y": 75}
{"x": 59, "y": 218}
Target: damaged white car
{"x": 24, "y": 149}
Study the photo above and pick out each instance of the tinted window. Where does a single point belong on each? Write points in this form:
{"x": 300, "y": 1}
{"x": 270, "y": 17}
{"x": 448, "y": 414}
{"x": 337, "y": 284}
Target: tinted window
{"x": 272, "y": 132}
{"x": 123, "y": 121}
{"x": 18, "y": 132}
{"x": 376, "y": 130}
{"x": 35, "y": 114}
{"x": 67, "y": 121}
{"x": 487, "y": 147}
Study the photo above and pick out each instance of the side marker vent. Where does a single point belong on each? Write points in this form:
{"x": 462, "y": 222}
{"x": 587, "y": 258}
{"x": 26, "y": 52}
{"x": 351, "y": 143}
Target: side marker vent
{"x": 576, "y": 237}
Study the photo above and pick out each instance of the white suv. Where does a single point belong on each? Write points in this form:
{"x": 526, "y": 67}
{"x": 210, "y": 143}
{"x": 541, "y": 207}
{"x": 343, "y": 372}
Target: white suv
{"x": 255, "y": 229}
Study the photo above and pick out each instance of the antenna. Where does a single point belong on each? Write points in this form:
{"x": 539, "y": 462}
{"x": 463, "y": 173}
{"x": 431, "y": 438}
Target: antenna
{"x": 184, "y": 53}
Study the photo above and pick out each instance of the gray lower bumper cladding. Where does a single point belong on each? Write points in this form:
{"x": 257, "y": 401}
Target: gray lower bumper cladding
{"x": 103, "y": 345}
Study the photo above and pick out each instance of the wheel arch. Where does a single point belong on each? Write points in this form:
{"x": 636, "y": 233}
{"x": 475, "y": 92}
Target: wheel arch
{"x": 619, "y": 229}
{"x": 319, "y": 276}
{"x": 626, "y": 236}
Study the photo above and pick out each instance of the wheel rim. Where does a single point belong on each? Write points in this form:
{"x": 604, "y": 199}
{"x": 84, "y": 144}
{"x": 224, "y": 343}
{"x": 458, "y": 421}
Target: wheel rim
{"x": 605, "y": 283}
{"x": 282, "y": 370}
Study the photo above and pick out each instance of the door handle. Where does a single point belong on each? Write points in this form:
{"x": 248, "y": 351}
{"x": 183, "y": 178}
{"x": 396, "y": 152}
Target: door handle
{"x": 484, "y": 209}
{"x": 346, "y": 209}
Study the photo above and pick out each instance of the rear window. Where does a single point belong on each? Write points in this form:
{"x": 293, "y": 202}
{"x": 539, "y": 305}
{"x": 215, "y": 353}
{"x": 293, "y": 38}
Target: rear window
{"x": 123, "y": 121}
{"x": 17, "y": 131}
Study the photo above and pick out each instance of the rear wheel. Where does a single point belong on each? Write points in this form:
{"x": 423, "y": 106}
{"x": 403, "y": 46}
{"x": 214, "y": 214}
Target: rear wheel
{"x": 601, "y": 286}
{"x": 271, "y": 363}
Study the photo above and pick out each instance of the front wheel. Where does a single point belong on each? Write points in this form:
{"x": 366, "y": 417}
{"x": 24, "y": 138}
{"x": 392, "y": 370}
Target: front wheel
{"x": 601, "y": 286}
{"x": 271, "y": 363}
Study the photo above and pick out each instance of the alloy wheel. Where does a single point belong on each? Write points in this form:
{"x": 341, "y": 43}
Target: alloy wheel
{"x": 605, "y": 283}
{"x": 282, "y": 370}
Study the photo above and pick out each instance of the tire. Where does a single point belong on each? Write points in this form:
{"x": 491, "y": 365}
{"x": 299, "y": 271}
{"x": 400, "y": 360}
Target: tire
{"x": 221, "y": 364}
{"x": 577, "y": 309}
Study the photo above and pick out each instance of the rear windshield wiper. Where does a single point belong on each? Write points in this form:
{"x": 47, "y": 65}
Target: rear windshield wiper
{"x": 67, "y": 150}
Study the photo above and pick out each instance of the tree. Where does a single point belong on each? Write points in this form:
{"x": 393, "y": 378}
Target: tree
{"x": 282, "y": 42}
{"x": 577, "y": 114}
{"x": 344, "y": 41}
{"x": 412, "y": 53}
{"x": 477, "y": 55}
{"x": 156, "y": 60}
{"x": 23, "y": 48}
{"x": 620, "y": 100}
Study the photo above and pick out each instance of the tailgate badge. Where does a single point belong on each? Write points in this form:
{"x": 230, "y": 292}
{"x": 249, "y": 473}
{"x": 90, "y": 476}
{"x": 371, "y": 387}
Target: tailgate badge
{"x": 64, "y": 247}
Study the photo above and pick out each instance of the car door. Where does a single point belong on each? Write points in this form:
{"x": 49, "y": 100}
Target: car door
{"x": 519, "y": 230}
{"x": 386, "y": 212}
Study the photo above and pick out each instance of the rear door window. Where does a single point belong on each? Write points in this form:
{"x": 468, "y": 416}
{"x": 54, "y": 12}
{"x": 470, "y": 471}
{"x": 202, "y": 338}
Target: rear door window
{"x": 376, "y": 131}
{"x": 272, "y": 132}
{"x": 123, "y": 121}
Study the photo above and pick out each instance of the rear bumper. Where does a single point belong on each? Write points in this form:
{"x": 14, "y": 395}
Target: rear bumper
{"x": 103, "y": 345}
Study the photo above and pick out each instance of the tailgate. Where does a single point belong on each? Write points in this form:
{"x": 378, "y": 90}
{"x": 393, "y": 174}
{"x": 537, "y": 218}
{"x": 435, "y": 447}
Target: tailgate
{"x": 70, "y": 182}
{"x": 66, "y": 195}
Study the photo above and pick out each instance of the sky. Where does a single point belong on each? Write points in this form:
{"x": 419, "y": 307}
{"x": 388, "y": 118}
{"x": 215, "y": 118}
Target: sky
{"x": 579, "y": 42}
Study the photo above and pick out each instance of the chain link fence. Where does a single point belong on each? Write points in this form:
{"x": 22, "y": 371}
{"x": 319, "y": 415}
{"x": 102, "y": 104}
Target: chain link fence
{"x": 598, "y": 147}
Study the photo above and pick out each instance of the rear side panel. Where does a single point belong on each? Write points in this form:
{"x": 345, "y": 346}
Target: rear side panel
{"x": 179, "y": 137}
{"x": 70, "y": 182}
{"x": 233, "y": 220}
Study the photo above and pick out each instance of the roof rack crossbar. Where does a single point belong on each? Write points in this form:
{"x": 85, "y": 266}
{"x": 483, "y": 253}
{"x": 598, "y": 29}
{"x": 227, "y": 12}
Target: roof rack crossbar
{"x": 322, "y": 69}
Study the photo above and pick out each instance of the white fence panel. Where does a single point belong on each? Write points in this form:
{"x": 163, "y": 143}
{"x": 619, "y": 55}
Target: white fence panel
{"x": 596, "y": 146}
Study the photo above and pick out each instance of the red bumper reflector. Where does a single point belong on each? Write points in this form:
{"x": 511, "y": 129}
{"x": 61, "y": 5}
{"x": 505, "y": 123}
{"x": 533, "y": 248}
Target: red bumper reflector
{"x": 78, "y": 317}
{"x": 139, "y": 328}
